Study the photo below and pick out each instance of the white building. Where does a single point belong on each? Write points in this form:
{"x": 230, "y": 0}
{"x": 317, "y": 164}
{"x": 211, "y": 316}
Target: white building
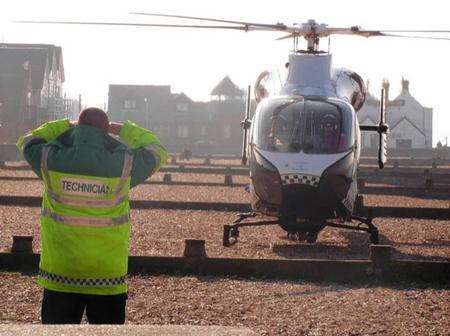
{"x": 410, "y": 123}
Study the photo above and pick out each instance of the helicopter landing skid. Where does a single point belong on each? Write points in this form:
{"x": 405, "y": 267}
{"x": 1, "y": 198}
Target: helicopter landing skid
{"x": 368, "y": 227}
{"x": 231, "y": 231}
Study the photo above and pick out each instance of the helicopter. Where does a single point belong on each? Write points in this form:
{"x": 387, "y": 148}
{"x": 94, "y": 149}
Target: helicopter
{"x": 303, "y": 142}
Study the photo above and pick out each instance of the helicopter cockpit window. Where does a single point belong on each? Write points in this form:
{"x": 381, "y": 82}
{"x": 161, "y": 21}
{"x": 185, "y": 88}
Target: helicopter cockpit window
{"x": 297, "y": 124}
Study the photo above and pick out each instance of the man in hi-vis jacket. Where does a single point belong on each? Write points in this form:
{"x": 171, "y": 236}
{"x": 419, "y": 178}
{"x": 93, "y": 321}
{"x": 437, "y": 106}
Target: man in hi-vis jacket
{"x": 85, "y": 218}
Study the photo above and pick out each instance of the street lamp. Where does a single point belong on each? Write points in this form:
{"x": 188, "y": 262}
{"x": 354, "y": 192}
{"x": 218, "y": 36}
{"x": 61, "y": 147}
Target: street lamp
{"x": 147, "y": 116}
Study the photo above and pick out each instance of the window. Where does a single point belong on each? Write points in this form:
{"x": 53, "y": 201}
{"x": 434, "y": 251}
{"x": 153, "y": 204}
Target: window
{"x": 203, "y": 131}
{"x": 164, "y": 131}
{"x": 183, "y": 131}
{"x": 227, "y": 131}
{"x": 374, "y": 140}
{"x": 182, "y": 107}
{"x": 403, "y": 143}
{"x": 129, "y": 104}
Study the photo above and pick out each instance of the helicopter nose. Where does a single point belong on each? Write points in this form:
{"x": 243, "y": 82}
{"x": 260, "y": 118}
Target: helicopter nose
{"x": 307, "y": 201}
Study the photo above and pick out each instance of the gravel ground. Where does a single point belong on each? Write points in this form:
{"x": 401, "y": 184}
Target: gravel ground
{"x": 267, "y": 307}
{"x": 162, "y": 232}
{"x": 217, "y": 193}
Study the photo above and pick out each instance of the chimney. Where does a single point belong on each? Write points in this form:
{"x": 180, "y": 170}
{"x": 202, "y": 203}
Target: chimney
{"x": 405, "y": 86}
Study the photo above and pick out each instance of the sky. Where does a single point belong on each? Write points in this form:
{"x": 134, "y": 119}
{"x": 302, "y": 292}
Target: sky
{"x": 194, "y": 61}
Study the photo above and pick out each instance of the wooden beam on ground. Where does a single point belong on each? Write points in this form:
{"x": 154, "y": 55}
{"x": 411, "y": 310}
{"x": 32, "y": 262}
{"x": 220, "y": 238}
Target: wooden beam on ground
{"x": 393, "y": 212}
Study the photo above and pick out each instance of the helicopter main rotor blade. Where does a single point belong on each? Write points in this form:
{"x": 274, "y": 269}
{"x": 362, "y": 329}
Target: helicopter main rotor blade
{"x": 414, "y": 31}
{"x": 279, "y": 26}
{"x": 293, "y": 31}
{"x": 418, "y": 37}
{"x": 372, "y": 33}
{"x": 286, "y": 36}
{"x": 136, "y": 24}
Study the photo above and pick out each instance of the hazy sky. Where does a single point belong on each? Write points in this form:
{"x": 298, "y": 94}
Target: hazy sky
{"x": 193, "y": 61}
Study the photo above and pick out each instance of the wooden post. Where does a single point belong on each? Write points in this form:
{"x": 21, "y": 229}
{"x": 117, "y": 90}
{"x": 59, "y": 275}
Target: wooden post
{"x": 228, "y": 180}
{"x": 359, "y": 203}
{"x": 428, "y": 183}
{"x": 428, "y": 180}
{"x": 22, "y": 244}
{"x": 194, "y": 248}
{"x": 380, "y": 255}
{"x": 361, "y": 183}
{"x": 167, "y": 178}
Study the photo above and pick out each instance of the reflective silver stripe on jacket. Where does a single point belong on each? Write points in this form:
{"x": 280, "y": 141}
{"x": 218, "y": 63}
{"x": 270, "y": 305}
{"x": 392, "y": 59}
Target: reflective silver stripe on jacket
{"x": 93, "y": 203}
{"x": 44, "y": 167}
{"x": 126, "y": 170}
{"x": 86, "y": 221}
{"x": 82, "y": 202}
{"x": 80, "y": 281}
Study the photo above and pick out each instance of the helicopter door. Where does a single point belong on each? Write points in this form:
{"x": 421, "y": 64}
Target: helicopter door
{"x": 267, "y": 84}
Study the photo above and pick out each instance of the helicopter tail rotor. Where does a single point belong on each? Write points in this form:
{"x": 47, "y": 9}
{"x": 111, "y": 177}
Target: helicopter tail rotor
{"x": 245, "y": 126}
{"x": 382, "y": 128}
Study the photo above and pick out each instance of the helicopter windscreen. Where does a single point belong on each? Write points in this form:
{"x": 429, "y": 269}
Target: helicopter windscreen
{"x": 297, "y": 124}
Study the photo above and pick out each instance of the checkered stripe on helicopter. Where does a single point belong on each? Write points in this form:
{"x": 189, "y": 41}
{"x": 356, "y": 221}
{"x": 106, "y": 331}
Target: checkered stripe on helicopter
{"x": 300, "y": 179}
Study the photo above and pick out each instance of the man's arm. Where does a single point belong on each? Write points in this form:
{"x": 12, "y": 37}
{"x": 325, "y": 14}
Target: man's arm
{"x": 148, "y": 153}
{"x": 31, "y": 144}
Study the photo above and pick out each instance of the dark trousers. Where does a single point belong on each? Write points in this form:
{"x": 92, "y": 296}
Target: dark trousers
{"x": 68, "y": 308}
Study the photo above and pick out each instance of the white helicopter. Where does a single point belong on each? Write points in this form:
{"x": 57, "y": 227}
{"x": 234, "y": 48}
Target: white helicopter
{"x": 303, "y": 143}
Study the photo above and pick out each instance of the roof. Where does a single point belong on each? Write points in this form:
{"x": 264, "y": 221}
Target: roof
{"x": 409, "y": 121}
{"x": 54, "y": 53}
{"x": 181, "y": 98}
{"x": 226, "y": 87}
{"x": 12, "y": 60}
{"x": 366, "y": 119}
{"x": 138, "y": 90}
{"x": 408, "y": 100}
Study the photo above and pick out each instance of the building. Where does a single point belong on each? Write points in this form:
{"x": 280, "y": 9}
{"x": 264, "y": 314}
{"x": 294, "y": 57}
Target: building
{"x": 47, "y": 75}
{"x": 226, "y": 109}
{"x": 180, "y": 122}
{"x": 31, "y": 89}
{"x": 15, "y": 88}
{"x": 410, "y": 123}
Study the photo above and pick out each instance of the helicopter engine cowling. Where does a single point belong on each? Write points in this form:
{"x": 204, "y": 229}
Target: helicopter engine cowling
{"x": 350, "y": 86}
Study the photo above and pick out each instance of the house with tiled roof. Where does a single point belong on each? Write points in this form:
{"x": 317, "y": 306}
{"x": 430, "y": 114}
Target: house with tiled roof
{"x": 409, "y": 121}
{"x": 47, "y": 76}
{"x": 174, "y": 117}
{"x": 179, "y": 121}
{"x": 15, "y": 87}
{"x": 226, "y": 90}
